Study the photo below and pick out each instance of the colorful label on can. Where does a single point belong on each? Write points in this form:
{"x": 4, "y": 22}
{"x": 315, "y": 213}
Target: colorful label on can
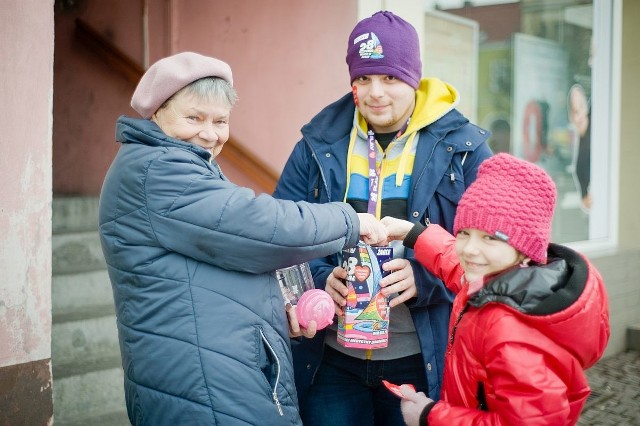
{"x": 365, "y": 323}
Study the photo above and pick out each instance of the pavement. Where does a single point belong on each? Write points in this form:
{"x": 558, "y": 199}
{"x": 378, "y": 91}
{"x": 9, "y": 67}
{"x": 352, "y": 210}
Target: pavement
{"x": 615, "y": 392}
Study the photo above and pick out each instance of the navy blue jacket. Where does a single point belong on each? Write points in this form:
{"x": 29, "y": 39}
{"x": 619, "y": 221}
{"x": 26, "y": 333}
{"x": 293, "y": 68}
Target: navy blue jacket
{"x": 448, "y": 154}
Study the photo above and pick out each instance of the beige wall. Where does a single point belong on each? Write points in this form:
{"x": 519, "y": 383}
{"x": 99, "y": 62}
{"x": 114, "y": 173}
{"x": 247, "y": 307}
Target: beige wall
{"x": 26, "y": 68}
{"x": 629, "y": 230}
{"x": 621, "y": 268}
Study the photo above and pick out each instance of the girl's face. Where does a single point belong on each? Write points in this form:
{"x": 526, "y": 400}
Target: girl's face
{"x": 483, "y": 254}
{"x": 195, "y": 120}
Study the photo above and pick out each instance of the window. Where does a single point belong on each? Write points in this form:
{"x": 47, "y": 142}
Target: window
{"x": 543, "y": 86}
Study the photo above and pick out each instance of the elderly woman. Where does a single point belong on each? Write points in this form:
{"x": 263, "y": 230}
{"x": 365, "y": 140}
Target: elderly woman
{"x": 204, "y": 335}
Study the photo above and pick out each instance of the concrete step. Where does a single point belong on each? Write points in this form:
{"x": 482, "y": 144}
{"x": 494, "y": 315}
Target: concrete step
{"x": 97, "y": 394}
{"x": 76, "y": 252}
{"x": 84, "y": 345}
{"x": 87, "y": 369}
{"x": 633, "y": 337}
{"x": 78, "y": 294}
{"x": 74, "y": 214}
{"x": 111, "y": 419}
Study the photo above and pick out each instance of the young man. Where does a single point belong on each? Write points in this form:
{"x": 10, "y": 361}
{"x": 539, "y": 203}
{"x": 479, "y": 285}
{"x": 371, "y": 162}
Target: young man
{"x": 427, "y": 154}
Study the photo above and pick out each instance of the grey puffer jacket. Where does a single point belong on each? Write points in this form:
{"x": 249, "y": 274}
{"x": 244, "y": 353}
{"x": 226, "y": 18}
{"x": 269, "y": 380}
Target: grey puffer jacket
{"x": 201, "y": 320}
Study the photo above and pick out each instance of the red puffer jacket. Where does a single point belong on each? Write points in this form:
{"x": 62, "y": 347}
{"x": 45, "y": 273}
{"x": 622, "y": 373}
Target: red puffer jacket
{"x": 518, "y": 348}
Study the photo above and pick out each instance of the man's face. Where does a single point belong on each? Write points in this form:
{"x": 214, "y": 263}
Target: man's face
{"x": 384, "y": 101}
{"x": 195, "y": 120}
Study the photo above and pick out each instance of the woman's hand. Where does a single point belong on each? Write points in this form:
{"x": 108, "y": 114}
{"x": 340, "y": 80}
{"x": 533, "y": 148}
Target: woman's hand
{"x": 295, "y": 330}
{"x": 372, "y": 231}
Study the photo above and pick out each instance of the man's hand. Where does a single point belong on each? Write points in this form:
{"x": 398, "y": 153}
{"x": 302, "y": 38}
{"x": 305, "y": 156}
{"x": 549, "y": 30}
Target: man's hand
{"x": 295, "y": 330}
{"x": 372, "y": 231}
{"x": 337, "y": 289}
{"x": 412, "y": 405}
{"x": 397, "y": 229}
{"x": 400, "y": 281}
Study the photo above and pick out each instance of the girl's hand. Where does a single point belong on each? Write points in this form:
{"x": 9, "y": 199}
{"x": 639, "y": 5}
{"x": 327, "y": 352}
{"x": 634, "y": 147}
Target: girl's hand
{"x": 412, "y": 405}
{"x": 396, "y": 228}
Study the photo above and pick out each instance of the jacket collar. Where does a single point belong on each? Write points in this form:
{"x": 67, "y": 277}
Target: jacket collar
{"x": 146, "y": 132}
{"x": 538, "y": 289}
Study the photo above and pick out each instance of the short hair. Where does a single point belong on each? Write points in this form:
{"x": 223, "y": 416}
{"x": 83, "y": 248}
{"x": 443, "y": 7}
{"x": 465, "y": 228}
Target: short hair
{"x": 213, "y": 89}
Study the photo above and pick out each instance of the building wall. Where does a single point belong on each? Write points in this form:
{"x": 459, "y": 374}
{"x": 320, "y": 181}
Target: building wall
{"x": 26, "y": 86}
{"x": 287, "y": 57}
{"x": 621, "y": 268}
{"x": 88, "y": 95}
{"x": 629, "y": 225}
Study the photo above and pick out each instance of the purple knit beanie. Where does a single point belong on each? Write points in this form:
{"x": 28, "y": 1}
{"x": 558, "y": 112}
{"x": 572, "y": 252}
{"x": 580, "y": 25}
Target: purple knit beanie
{"x": 385, "y": 44}
{"x": 513, "y": 200}
{"x": 167, "y": 76}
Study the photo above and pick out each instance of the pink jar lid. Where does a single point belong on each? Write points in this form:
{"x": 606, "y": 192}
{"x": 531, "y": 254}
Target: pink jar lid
{"x": 315, "y": 305}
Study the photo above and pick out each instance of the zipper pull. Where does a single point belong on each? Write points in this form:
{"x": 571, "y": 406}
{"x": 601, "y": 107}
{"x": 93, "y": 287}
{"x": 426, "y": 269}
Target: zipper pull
{"x": 278, "y": 405}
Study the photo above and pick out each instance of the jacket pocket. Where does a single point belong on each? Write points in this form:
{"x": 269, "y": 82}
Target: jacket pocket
{"x": 451, "y": 186}
{"x": 269, "y": 364}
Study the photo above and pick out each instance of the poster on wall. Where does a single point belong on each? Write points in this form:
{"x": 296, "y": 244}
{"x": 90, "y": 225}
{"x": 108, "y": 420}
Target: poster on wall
{"x": 541, "y": 131}
{"x": 539, "y": 92}
{"x": 450, "y": 52}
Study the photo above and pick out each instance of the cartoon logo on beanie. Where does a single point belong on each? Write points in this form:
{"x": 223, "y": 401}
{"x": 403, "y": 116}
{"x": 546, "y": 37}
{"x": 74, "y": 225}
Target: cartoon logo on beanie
{"x": 371, "y": 49}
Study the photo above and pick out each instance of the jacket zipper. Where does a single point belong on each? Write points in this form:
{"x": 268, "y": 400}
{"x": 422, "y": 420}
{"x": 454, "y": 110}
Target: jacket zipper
{"x": 455, "y": 326}
{"x": 274, "y": 393}
{"x": 451, "y": 339}
{"x": 316, "y": 190}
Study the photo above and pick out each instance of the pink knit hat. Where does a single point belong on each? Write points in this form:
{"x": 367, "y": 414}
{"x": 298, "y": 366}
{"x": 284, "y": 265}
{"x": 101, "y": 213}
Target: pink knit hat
{"x": 513, "y": 200}
{"x": 167, "y": 76}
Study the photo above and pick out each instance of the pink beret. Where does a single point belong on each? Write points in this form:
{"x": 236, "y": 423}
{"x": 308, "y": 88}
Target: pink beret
{"x": 167, "y": 76}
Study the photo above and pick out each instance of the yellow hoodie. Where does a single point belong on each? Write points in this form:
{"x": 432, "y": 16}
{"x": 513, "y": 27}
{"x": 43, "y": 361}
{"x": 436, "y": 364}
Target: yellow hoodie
{"x": 434, "y": 98}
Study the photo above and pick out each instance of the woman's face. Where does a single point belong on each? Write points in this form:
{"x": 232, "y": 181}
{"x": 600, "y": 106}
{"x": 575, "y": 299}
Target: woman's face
{"x": 579, "y": 110}
{"x": 192, "y": 119}
{"x": 481, "y": 254}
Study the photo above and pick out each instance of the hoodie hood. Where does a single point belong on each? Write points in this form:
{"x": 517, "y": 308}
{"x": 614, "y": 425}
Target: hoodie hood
{"x": 434, "y": 98}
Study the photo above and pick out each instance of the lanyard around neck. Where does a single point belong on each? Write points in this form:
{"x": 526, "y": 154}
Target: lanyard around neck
{"x": 374, "y": 170}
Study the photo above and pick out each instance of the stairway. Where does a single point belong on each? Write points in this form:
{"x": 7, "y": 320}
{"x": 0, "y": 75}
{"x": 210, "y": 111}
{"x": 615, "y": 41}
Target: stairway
{"x": 87, "y": 371}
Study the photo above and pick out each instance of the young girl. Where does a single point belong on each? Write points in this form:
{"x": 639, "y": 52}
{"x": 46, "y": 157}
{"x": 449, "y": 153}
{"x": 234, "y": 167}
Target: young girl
{"x": 529, "y": 317}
